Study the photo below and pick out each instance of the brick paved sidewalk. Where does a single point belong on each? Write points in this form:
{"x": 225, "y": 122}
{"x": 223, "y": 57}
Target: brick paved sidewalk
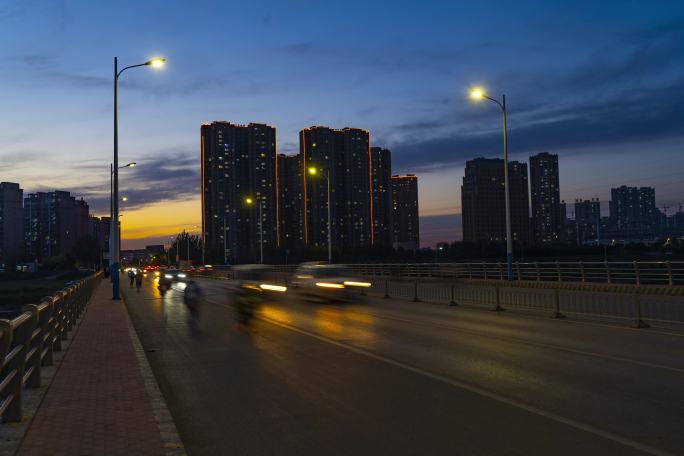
{"x": 97, "y": 402}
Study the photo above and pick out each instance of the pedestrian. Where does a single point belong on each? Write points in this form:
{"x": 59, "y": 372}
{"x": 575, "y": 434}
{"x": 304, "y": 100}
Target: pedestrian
{"x": 131, "y": 276}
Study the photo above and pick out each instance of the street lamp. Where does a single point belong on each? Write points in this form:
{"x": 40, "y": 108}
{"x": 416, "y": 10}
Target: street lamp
{"x": 313, "y": 171}
{"x": 249, "y": 201}
{"x": 477, "y": 93}
{"x": 114, "y": 270}
{"x": 111, "y": 213}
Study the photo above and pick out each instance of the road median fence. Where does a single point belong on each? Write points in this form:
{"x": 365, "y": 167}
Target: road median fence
{"x": 29, "y": 341}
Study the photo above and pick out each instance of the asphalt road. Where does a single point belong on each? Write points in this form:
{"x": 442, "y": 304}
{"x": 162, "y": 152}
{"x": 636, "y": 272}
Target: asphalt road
{"x": 393, "y": 377}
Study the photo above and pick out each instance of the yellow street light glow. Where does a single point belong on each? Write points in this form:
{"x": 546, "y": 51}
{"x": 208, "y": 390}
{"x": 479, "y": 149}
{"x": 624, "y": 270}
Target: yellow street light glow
{"x": 125, "y": 198}
{"x": 313, "y": 171}
{"x": 477, "y": 93}
{"x": 329, "y": 285}
{"x": 266, "y": 286}
{"x": 156, "y": 62}
{"x": 357, "y": 284}
{"x": 249, "y": 200}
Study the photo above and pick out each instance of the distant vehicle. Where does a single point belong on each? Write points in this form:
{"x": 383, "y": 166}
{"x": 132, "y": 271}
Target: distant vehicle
{"x": 327, "y": 282}
{"x": 174, "y": 275}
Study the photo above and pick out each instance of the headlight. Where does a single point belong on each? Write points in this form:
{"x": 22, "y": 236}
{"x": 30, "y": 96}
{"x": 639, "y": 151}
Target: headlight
{"x": 266, "y": 286}
{"x": 168, "y": 276}
{"x": 329, "y": 285}
{"x": 357, "y": 284}
{"x": 182, "y": 276}
{"x": 156, "y": 273}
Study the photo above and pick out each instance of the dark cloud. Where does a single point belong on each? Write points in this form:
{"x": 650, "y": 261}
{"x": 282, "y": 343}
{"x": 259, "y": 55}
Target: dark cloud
{"x": 236, "y": 83}
{"x": 173, "y": 176}
{"x": 630, "y": 89}
{"x": 630, "y": 116}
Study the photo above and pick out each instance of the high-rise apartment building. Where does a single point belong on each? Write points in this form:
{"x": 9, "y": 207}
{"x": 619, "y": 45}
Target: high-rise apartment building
{"x": 547, "y": 222}
{"x": 381, "y": 173}
{"x": 239, "y": 182}
{"x": 633, "y": 211}
{"x": 343, "y": 157}
{"x": 291, "y": 201}
{"x": 405, "y": 221}
{"x": 483, "y": 201}
{"x": 588, "y": 220}
{"x": 11, "y": 222}
{"x": 53, "y": 223}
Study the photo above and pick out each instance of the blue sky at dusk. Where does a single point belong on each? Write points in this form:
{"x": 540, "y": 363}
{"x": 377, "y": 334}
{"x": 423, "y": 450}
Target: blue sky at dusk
{"x": 599, "y": 83}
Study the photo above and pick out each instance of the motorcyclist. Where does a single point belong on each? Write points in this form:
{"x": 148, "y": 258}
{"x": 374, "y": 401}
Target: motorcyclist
{"x": 191, "y": 298}
{"x": 138, "y": 280}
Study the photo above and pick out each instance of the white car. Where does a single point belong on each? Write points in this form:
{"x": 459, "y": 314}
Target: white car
{"x": 328, "y": 282}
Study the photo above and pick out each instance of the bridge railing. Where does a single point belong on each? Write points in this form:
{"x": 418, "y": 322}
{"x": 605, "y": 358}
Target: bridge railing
{"x": 28, "y": 342}
{"x": 634, "y": 272}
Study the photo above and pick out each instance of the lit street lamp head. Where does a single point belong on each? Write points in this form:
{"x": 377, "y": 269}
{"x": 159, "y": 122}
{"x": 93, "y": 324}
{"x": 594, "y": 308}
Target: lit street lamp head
{"x": 156, "y": 62}
{"x": 249, "y": 200}
{"x": 125, "y": 198}
{"x": 477, "y": 93}
{"x": 313, "y": 171}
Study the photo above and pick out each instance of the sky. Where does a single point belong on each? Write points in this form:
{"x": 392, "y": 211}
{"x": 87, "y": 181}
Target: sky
{"x": 601, "y": 84}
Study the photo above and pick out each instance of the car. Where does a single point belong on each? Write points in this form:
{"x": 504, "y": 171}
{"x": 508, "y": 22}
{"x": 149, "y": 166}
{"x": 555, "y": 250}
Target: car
{"x": 328, "y": 282}
{"x": 173, "y": 275}
{"x": 258, "y": 276}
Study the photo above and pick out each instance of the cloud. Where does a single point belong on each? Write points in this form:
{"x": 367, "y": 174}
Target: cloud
{"x": 170, "y": 176}
{"x": 631, "y": 88}
{"x": 633, "y": 115}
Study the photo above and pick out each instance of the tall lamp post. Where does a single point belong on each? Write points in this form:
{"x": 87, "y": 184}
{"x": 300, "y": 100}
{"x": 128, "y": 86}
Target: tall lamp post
{"x": 116, "y": 245}
{"x": 111, "y": 213}
{"x": 249, "y": 202}
{"x": 313, "y": 171}
{"x": 479, "y": 94}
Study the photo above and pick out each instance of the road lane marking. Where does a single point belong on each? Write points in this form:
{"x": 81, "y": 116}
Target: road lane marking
{"x": 480, "y": 391}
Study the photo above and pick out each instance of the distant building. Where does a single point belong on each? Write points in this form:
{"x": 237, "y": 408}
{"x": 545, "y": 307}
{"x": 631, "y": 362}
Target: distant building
{"x": 381, "y": 173}
{"x": 99, "y": 230}
{"x": 483, "y": 201}
{"x": 53, "y": 223}
{"x": 675, "y": 223}
{"x": 239, "y": 164}
{"x": 134, "y": 256}
{"x": 405, "y": 221}
{"x": 291, "y": 201}
{"x": 588, "y": 221}
{"x": 155, "y": 250}
{"x": 633, "y": 212}
{"x": 547, "y": 222}
{"x": 11, "y": 222}
{"x": 344, "y": 156}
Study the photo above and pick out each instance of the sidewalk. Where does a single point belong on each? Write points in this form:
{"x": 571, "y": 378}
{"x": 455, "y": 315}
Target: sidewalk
{"x": 97, "y": 402}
